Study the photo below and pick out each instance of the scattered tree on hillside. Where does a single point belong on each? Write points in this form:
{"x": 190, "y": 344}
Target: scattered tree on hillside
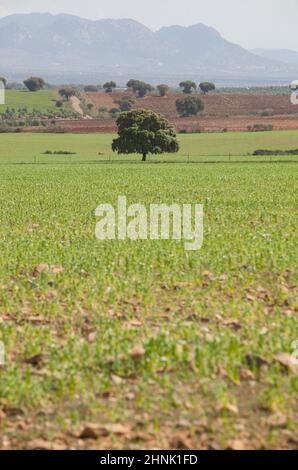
{"x": 90, "y": 89}
{"x": 139, "y": 87}
{"x": 163, "y": 89}
{"x": 59, "y": 103}
{"x": 125, "y": 103}
{"x": 67, "y": 92}
{"x": 34, "y": 83}
{"x": 109, "y": 86}
{"x": 188, "y": 86}
{"x": 90, "y": 106}
{"x": 189, "y": 106}
{"x": 206, "y": 87}
{"x": 4, "y": 81}
{"x": 143, "y": 131}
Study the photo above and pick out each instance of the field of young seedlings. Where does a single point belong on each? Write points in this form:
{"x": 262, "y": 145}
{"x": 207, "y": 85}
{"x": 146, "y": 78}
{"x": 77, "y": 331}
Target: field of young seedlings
{"x": 41, "y": 100}
{"x": 141, "y": 344}
{"x": 96, "y": 148}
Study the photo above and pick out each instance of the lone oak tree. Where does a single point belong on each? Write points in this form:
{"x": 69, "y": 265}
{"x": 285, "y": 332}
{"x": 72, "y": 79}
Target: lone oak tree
{"x": 34, "y": 83}
{"x": 143, "y": 131}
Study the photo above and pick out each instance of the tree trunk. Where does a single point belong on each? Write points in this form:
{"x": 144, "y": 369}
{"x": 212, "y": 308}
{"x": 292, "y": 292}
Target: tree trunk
{"x": 144, "y": 157}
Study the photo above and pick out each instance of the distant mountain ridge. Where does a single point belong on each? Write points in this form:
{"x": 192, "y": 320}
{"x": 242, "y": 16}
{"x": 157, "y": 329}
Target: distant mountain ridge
{"x": 282, "y": 55}
{"x": 59, "y": 44}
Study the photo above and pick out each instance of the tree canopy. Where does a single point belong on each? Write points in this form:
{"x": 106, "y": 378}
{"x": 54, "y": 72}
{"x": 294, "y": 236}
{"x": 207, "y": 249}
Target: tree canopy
{"x": 143, "y": 131}
{"x": 139, "y": 87}
{"x": 125, "y": 103}
{"x": 67, "y": 92}
{"x": 188, "y": 86}
{"x": 91, "y": 89}
{"x": 206, "y": 87}
{"x": 34, "y": 83}
{"x": 109, "y": 86}
{"x": 189, "y": 106}
{"x": 163, "y": 89}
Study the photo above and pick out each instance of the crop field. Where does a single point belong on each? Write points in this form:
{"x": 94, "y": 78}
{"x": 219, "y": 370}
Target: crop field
{"x": 141, "y": 344}
{"x": 96, "y": 148}
{"x": 41, "y": 100}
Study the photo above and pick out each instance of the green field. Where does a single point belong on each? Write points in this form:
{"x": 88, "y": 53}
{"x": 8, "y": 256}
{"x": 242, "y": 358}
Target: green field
{"x": 28, "y": 148}
{"x": 42, "y": 100}
{"x": 146, "y": 344}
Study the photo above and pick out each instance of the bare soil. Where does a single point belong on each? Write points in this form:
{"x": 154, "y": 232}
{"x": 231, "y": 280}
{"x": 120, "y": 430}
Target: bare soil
{"x": 222, "y": 112}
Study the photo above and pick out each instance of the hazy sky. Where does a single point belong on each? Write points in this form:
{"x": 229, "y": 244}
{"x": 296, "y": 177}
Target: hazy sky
{"x": 250, "y": 23}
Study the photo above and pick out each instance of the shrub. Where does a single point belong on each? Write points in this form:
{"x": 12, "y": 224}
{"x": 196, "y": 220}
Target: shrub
{"x": 125, "y": 103}
{"x": 260, "y": 128}
{"x": 114, "y": 112}
{"x": 261, "y": 152}
{"x": 58, "y": 152}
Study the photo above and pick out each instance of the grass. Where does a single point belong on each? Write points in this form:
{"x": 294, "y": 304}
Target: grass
{"x": 167, "y": 343}
{"x": 41, "y": 100}
{"x": 26, "y": 148}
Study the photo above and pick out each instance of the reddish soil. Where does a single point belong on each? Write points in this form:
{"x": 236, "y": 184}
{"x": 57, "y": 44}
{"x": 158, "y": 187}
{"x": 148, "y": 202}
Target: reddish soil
{"x": 218, "y": 105}
{"x": 222, "y": 111}
{"x": 224, "y": 105}
{"x": 189, "y": 124}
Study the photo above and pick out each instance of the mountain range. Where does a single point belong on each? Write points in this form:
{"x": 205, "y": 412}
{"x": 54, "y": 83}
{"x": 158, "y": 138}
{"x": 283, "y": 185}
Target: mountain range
{"x": 60, "y": 46}
{"x": 283, "y": 55}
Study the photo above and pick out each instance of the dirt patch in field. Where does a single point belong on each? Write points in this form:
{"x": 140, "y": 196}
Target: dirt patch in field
{"x": 105, "y": 100}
